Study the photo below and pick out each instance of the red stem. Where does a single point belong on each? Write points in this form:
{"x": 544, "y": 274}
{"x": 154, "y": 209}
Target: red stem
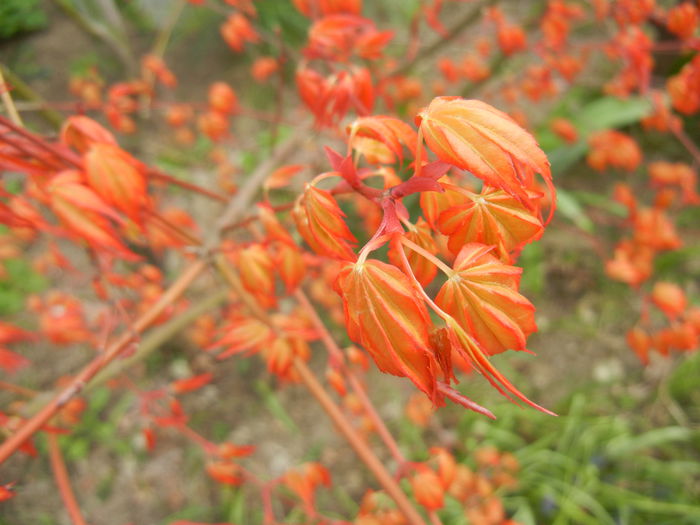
{"x": 32, "y": 425}
{"x": 355, "y": 383}
{"x": 358, "y": 445}
{"x": 63, "y": 481}
{"x": 159, "y": 175}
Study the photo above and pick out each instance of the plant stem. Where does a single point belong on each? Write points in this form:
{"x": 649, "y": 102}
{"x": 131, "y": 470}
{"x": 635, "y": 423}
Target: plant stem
{"x": 442, "y": 41}
{"x": 327, "y": 403}
{"x": 33, "y": 424}
{"x": 7, "y": 100}
{"x": 356, "y": 442}
{"x": 355, "y": 383}
{"x": 159, "y": 175}
{"x": 157, "y": 336}
{"x": 27, "y": 93}
{"x": 60, "y": 474}
{"x": 17, "y": 389}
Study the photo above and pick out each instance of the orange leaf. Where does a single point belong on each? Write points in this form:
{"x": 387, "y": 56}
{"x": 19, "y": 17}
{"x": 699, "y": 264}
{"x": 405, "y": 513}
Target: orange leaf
{"x": 83, "y": 212}
{"x": 81, "y": 132}
{"x": 243, "y": 333}
{"x": 320, "y": 222}
{"x": 115, "y": 176}
{"x": 257, "y": 273}
{"x": 388, "y": 131}
{"x": 191, "y": 383}
{"x": 493, "y": 218}
{"x": 385, "y": 314}
{"x": 483, "y": 297}
{"x": 477, "y": 137}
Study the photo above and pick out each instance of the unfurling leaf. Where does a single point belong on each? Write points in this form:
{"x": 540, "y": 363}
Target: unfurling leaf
{"x": 477, "y": 137}
{"x": 493, "y": 218}
{"x": 116, "y": 177}
{"x": 320, "y": 222}
{"x": 369, "y": 134}
{"x": 384, "y": 313}
{"x": 483, "y": 297}
{"x": 84, "y": 213}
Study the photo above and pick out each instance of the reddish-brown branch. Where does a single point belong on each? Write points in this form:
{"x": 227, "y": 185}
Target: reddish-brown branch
{"x": 186, "y": 236}
{"x": 358, "y": 444}
{"x": 33, "y": 424}
{"x": 164, "y": 177}
{"x": 687, "y": 142}
{"x": 327, "y": 403}
{"x": 62, "y": 153}
{"x": 17, "y": 389}
{"x": 60, "y": 474}
{"x": 355, "y": 383}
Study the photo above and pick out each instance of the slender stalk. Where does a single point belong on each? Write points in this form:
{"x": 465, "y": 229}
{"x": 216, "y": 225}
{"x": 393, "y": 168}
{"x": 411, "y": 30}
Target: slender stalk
{"x": 354, "y": 381}
{"x": 33, "y": 424}
{"x": 17, "y": 389}
{"x": 157, "y": 336}
{"x": 60, "y": 474}
{"x": 159, "y": 175}
{"x": 25, "y": 92}
{"x": 434, "y": 518}
{"x": 440, "y": 42}
{"x": 684, "y": 139}
{"x": 165, "y": 223}
{"x": 7, "y": 100}
{"x": 356, "y": 442}
{"x": 327, "y": 403}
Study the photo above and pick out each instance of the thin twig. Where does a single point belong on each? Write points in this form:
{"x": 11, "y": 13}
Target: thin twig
{"x": 8, "y": 102}
{"x": 358, "y": 444}
{"x": 355, "y": 383}
{"x": 25, "y": 92}
{"x": 60, "y": 474}
{"x": 33, "y": 424}
{"x": 440, "y": 42}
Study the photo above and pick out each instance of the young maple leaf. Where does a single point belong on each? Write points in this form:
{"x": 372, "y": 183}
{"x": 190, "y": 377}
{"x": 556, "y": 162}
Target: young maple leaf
{"x": 243, "y": 334}
{"x": 483, "y": 298}
{"x": 377, "y": 131}
{"x": 84, "y": 213}
{"x": 81, "y": 132}
{"x": 477, "y": 137}
{"x": 115, "y": 176}
{"x": 320, "y": 222}
{"x": 492, "y": 217}
{"x": 385, "y": 314}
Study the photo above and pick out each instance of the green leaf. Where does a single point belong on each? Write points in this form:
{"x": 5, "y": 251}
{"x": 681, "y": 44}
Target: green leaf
{"x": 625, "y": 445}
{"x": 569, "y": 207}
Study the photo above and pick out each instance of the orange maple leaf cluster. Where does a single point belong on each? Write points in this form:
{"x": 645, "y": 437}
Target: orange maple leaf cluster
{"x": 387, "y": 310}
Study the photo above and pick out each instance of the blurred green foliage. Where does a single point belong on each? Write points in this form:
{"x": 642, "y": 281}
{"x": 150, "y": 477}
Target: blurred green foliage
{"x": 21, "y": 281}
{"x": 20, "y": 16}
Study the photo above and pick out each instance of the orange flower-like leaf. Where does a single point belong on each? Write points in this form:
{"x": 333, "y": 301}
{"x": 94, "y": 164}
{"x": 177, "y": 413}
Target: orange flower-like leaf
{"x": 257, "y": 273}
{"x": 385, "y": 314}
{"x": 477, "y": 137}
{"x": 493, "y": 218}
{"x": 320, "y": 222}
{"x": 483, "y": 297}
{"x": 81, "y": 132}
{"x": 243, "y": 334}
{"x": 84, "y": 213}
{"x": 116, "y": 177}
{"x": 387, "y": 131}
